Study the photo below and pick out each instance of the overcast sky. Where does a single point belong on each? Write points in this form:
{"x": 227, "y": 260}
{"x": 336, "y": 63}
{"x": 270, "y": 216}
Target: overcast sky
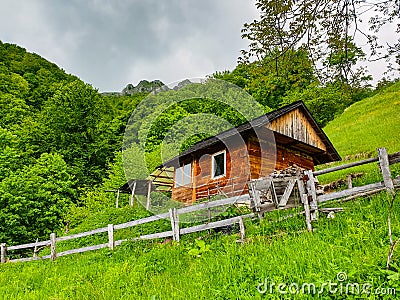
{"x": 112, "y": 43}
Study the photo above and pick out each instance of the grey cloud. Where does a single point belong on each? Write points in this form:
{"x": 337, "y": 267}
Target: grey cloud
{"x": 112, "y": 43}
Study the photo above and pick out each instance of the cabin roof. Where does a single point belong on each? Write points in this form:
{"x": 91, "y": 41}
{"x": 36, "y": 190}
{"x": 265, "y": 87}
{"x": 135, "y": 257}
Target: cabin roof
{"x": 330, "y": 155}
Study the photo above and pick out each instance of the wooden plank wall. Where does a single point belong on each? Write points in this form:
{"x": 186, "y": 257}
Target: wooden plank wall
{"x": 295, "y": 125}
{"x": 263, "y": 162}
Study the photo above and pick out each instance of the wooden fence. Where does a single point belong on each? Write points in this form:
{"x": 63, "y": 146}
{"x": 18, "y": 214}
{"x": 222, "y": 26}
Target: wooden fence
{"x": 306, "y": 187}
{"x": 175, "y": 232}
{"x": 307, "y": 182}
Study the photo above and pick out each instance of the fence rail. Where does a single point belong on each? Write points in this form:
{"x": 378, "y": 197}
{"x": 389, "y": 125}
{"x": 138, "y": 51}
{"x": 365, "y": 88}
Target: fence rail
{"x": 393, "y": 159}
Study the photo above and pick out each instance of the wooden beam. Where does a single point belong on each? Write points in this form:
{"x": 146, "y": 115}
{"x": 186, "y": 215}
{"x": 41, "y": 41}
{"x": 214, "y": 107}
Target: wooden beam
{"x": 273, "y": 194}
{"x": 164, "y": 177}
{"x": 151, "y": 236}
{"x": 163, "y": 184}
{"x": 77, "y": 235}
{"x": 3, "y": 252}
{"x": 214, "y": 224}
{"x": 313, "y": 194}
{"x": 394, "y": 158}
{"x": 350, "y": 192}
{"x": 304, "y": 200}
{"x": 30, "y": 245}
{"x": 241, "y": 228}
{"x": 81, "y": 250}
{"x": 132, "y": 198}
{"x": 346, "y": 166}
{"x": 53, "y": 252}
{"x": 287, "y": 192}
{"x": 174, "y": 217}
{"x": 110, "y": 236}
{"x": 349, "y": 182}
{"x": 385, "y": 169}
{"x": 300, "y": 184}
{"x": 148, "y": 195}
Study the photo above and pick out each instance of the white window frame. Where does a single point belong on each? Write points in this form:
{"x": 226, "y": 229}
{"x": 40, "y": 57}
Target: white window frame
{"x": 182, "y": 180}
{"x": 213, "y": 163}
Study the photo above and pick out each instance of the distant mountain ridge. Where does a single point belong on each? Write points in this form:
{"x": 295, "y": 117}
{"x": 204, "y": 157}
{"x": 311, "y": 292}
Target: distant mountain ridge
{"x": 145, "y": 86}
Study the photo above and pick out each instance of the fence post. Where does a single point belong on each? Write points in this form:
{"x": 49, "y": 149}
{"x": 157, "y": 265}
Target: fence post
{"x": 132, "y": 198}
{"x": 349, "y": 182}
{"x": 313, "y": 194}
{"x": 242, "y": 232}
{"x": 173, "y": 214}
{"x": 35, "y": 249}
{"x": 385, "y": 169}
{"x": 111, "y": 243}
{"x": 304, "y": 199}
{"x": 3, "y": 252}
{"x": 148, "y": 195}
{"x": 53, "y": 252}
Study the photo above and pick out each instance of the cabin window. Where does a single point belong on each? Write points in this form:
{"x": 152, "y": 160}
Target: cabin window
{"x": 183, "y": 175}
{"x": 219, "y": 164}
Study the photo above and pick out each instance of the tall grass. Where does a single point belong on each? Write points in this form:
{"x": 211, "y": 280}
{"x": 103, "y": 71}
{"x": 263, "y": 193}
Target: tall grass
{"x": 354, "y": 242}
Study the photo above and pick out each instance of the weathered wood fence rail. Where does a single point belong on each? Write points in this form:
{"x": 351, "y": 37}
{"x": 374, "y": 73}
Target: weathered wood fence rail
{"x": 384, "y": 160}
{"x": 175, "y": 232}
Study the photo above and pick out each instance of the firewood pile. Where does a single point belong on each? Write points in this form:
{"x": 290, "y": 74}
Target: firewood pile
{"x": 288, "y": 172}
{"x": 339, "y": 183}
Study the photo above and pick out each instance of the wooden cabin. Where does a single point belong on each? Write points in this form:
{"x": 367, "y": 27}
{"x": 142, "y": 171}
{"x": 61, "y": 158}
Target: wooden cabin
{"x": 223, "y": 164}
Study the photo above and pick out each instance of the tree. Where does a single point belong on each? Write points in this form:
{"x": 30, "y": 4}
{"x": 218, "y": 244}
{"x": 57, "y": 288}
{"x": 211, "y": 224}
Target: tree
{"x": 325, "y": 28}
{"x": 34, "y": 200}
{"x": 10, "y": 159}
{"x": 324, "y": 103}
{"x": 271, "y": 78}
{"x": 74, "y": 123}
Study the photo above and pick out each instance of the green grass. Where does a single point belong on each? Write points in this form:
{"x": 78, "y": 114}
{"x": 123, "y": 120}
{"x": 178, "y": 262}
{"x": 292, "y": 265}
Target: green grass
{"x": 362, "y": 128}
{"x": 354, "y": 242}
{"x": 277, "y": 249}
{"x": 369, "y": 124}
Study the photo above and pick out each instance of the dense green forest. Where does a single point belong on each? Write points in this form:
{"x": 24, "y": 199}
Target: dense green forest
{"x": 57, "y": 134}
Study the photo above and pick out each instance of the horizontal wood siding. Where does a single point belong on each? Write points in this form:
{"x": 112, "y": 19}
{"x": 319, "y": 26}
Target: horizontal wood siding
{"x": 264, "y": 163}
{"x": 237, "y": 167}
{"x": 182, "y": 193}
{"x": 202, "y": 181}
{"x": 295, "y": 125}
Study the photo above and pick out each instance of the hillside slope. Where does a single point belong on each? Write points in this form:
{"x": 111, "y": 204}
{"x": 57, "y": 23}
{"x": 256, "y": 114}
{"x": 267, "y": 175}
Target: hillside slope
{"x": 369, "y": 124}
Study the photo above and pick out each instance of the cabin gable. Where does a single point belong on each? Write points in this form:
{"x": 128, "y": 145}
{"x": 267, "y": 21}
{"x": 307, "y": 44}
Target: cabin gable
{"x": 295, "y": 124}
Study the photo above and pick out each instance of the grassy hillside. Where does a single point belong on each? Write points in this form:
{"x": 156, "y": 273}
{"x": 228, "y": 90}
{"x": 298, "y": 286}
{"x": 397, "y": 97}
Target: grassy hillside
{"x": 362, "y": 128}
{"x": 278, "y": 250}
{"x": 366, "y": 125}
